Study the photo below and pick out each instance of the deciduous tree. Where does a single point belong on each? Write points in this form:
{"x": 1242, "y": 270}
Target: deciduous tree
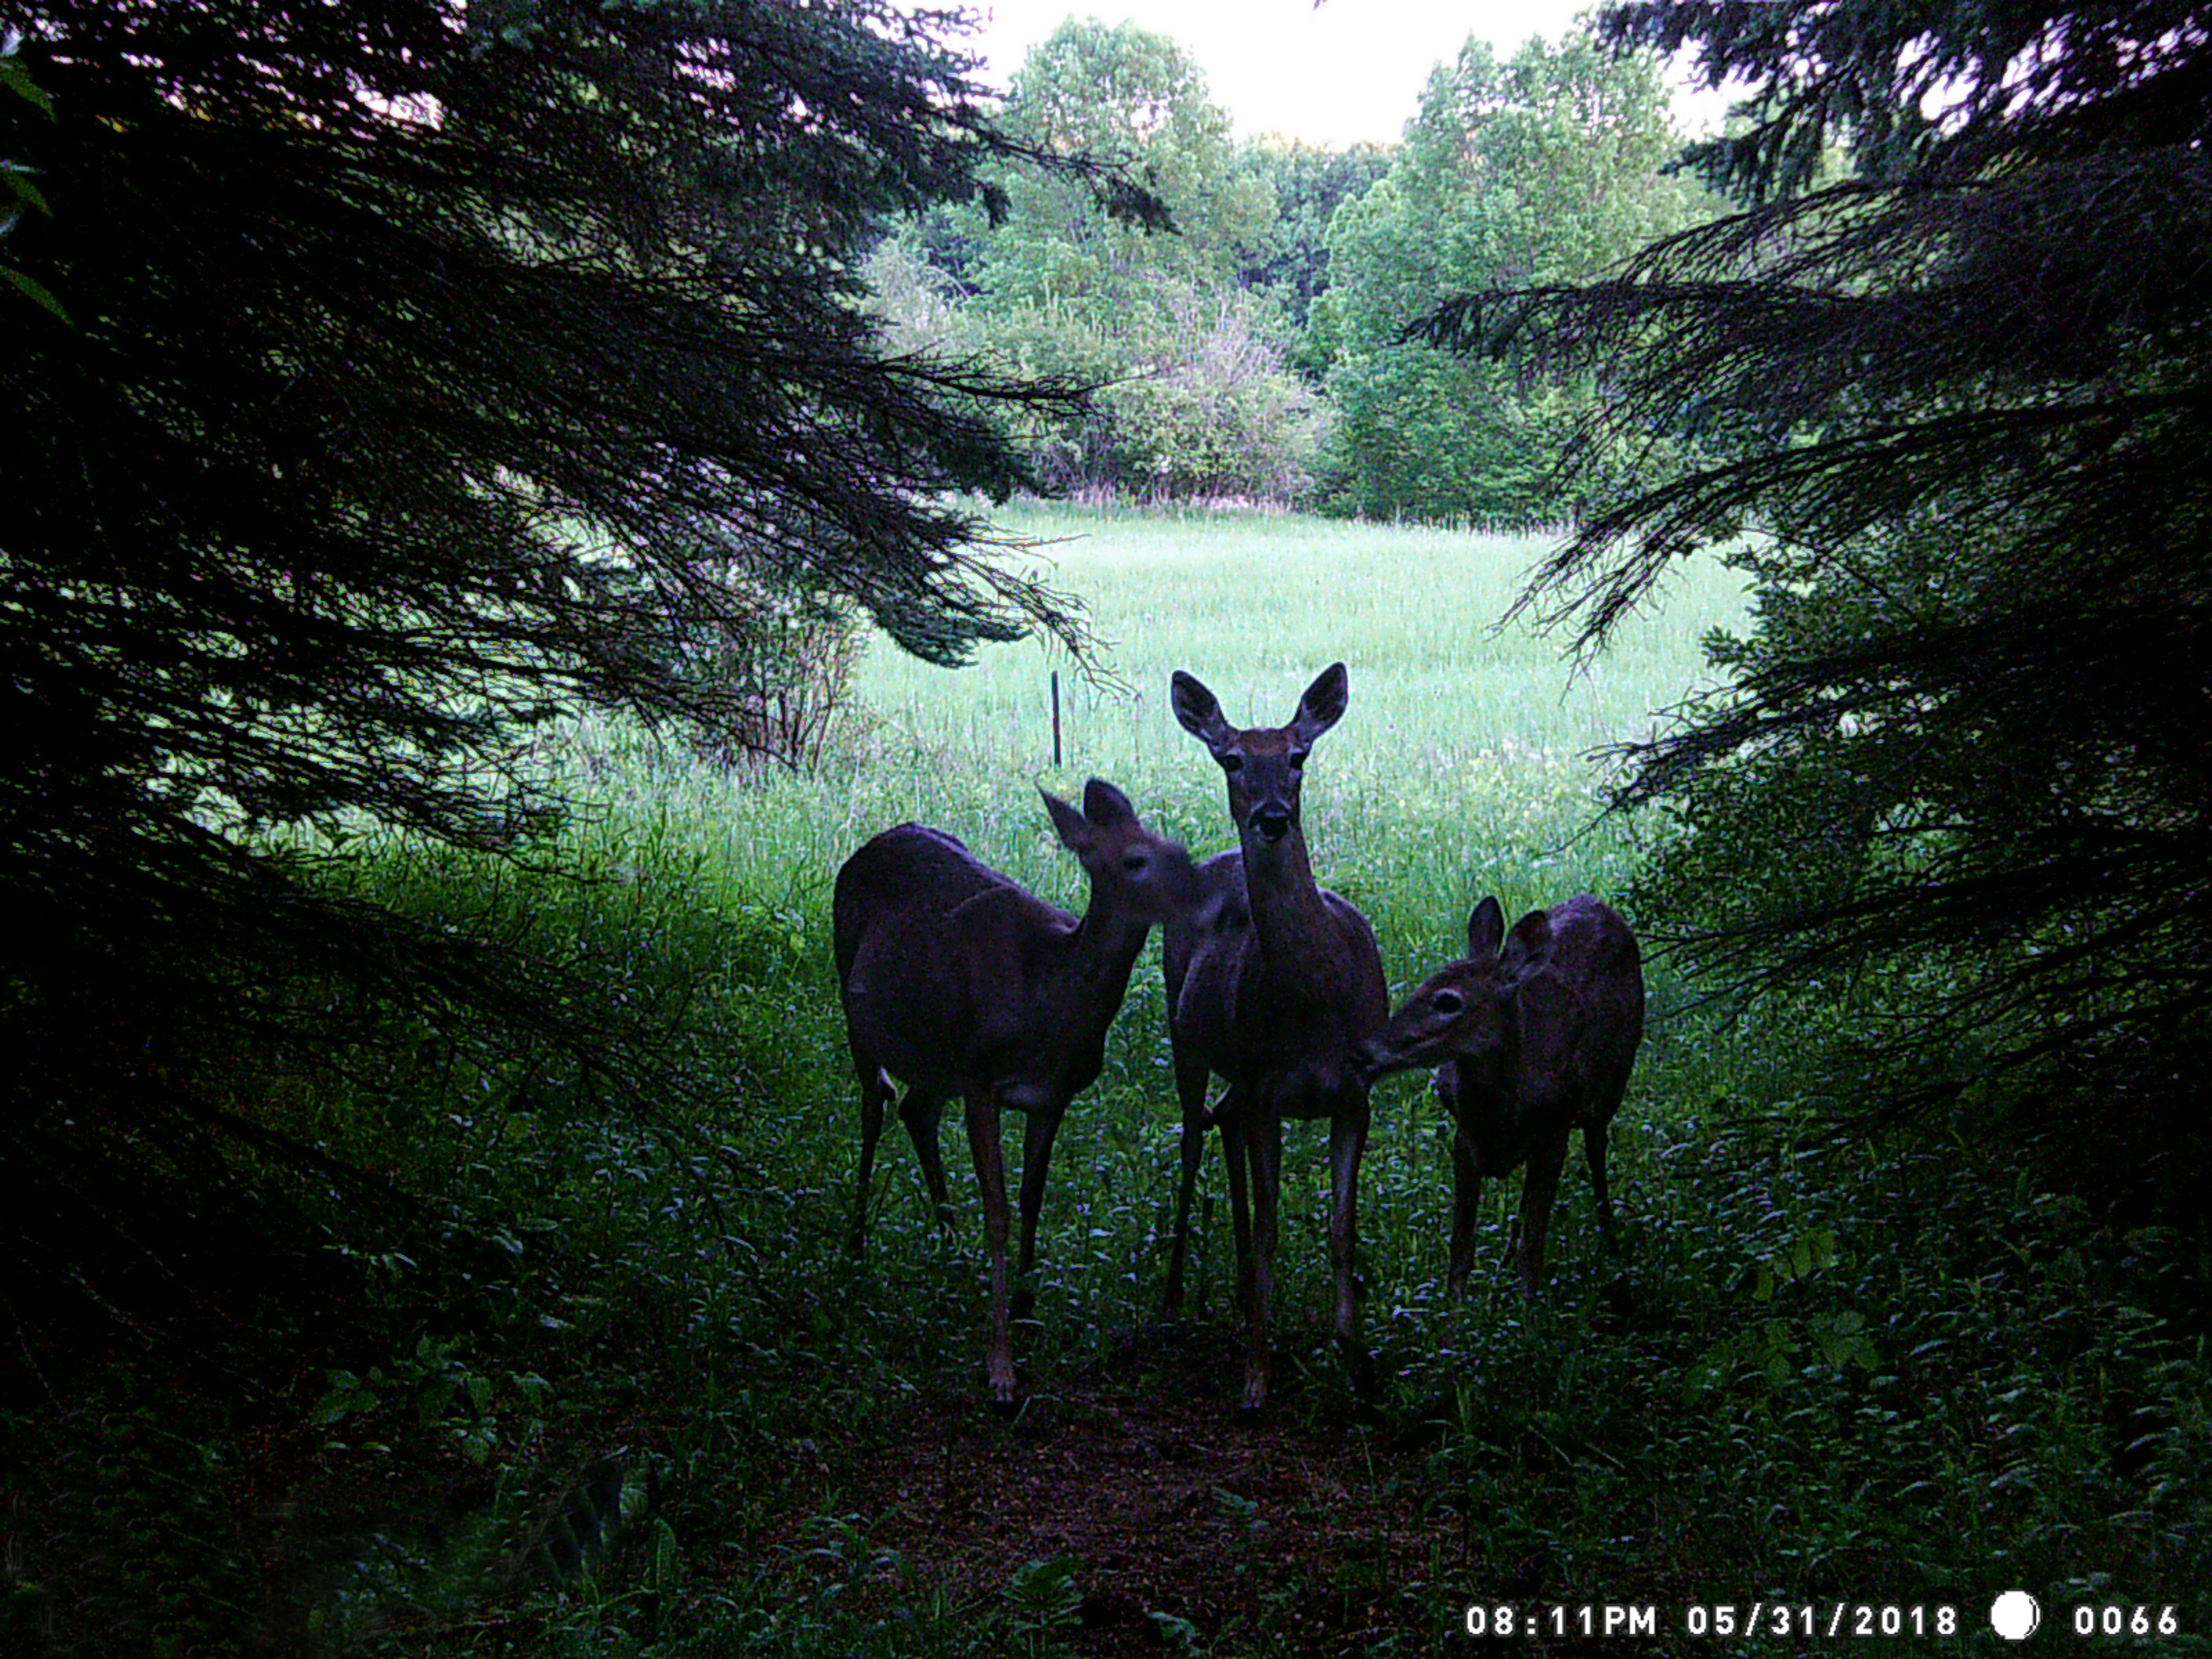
{"x": 1547, "y": 168}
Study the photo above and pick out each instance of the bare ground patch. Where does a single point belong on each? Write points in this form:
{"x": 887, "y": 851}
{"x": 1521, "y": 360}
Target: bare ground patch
{"x": 1293, "y": 1533}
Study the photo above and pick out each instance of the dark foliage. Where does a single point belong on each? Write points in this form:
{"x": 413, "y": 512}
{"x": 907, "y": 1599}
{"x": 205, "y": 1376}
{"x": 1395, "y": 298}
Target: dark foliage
{"x": 384, "y": 379}
{"x": 1962, "y": 394}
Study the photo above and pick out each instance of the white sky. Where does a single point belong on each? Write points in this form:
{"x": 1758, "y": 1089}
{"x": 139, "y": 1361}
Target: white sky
{"x": 1333, "y": 75}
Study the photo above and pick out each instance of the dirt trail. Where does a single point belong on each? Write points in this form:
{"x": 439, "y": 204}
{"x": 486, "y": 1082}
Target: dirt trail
{"x": 1139, "y": 1469}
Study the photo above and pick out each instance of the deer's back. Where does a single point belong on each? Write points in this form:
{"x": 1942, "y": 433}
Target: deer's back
{"x": 944, "y": 963}
{"x": 1581, "y": 1017}
{"x": 906, "y": 874}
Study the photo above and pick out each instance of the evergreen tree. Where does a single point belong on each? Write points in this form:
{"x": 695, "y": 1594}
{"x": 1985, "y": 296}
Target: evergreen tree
{"x": 385, "y": 377}
{"x": 1961, "y": 397}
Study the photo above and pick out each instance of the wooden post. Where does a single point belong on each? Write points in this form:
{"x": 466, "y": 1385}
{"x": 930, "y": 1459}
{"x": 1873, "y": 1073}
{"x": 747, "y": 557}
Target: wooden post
{"x": 1056, "y": 717}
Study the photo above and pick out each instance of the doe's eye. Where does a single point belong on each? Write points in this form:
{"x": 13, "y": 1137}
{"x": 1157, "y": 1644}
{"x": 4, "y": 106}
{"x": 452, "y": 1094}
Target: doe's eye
{"x": 1232, "y": 763}
{"x": 1298, "y": 760}
{"x": 1448, "y": 1002}
{"x": 1133, "y": 862}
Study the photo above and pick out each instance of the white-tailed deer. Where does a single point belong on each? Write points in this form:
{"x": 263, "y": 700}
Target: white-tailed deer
{"x": 958, "y": 981}
{"x": 1271, "y": 982}
{"x": 1531, "y": 1042}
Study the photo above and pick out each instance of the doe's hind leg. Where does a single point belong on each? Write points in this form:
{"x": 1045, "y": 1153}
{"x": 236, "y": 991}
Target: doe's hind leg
{"x": 921, "y": 1112}
{"x": 875, "y": 1095}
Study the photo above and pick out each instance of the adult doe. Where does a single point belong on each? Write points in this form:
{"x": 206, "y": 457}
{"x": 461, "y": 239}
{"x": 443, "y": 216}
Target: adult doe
{"x": 956, "y": 981}
{"x": 1533, "y": 1037}
{"x": 1271, "y": 982}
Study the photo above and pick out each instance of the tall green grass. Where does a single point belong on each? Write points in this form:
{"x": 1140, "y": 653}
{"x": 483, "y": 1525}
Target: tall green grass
{"x": 1465, "y": 758}
{"x": 1802, "y": 1368}
{"x": 1469, "y": 763}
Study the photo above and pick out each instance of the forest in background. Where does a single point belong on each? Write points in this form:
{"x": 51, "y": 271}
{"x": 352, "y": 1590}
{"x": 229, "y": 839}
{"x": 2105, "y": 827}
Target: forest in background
{"x": 1257, "y": 353}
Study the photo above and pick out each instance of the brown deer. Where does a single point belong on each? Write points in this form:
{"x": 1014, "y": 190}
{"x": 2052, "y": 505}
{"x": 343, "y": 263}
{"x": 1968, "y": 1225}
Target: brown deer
{"x": 958, "y": 981}
{"x": 1531, "y": 1042}
{"x": 1271, "y": 982}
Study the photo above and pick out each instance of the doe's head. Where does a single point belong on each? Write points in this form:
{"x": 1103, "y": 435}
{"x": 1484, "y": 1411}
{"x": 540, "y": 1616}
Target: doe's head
{"x": 1264, "y": 764}
{"x": 1120, "y": 855}
{"x": 1465, "y": 1010}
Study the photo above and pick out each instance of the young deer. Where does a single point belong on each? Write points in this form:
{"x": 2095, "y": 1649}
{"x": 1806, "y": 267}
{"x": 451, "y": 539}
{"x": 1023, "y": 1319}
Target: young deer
{"x": 958, "y": 981}
{"x": 1271, "y": 982}
{"x": 1531, "y": 1043}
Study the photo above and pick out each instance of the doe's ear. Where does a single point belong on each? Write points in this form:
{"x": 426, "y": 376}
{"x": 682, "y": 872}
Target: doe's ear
{"x": 1073, "y": 829}
{"x": 1197, "y": 710}
{"x": 1105, "y": 806}
{"x": 1323, "y": 704}
{"x": 1531, "y": 947}
{"x": 1486, "y": 926}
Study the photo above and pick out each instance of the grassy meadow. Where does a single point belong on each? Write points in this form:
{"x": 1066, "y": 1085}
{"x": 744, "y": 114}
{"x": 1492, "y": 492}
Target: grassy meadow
{"x": 663, "y": 1412}
{"x": 1465, "y": 766}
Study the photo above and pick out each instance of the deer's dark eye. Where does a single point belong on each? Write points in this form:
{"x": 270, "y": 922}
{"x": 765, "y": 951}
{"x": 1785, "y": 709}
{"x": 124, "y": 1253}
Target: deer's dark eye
{"x": 1448, "y": 1002}
{"x": 1298, "y": 760}
{"x": 1232, "y": 763}
{"x": 1133, "y": 862}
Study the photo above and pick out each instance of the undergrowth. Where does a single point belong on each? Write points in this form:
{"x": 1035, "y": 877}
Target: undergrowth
{"x": 613, "y": 1385}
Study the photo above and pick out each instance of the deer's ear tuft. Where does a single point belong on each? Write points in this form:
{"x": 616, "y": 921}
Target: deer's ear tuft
{"x": 1486, "y": 926}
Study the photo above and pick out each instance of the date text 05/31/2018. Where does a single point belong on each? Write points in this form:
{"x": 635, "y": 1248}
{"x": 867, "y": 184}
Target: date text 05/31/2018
{"x": 1844, "y": 1619}
{"x": 1721, "y": 1619}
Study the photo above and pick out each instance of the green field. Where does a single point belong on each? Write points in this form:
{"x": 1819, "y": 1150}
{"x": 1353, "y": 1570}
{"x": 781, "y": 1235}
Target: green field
{"x": 630, "y": 1395}
{"x": 1464, "y": 766}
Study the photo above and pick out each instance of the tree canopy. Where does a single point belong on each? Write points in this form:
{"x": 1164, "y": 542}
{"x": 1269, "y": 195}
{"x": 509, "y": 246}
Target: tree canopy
{"x": 388, "y": 377}
{"x": 1309, "y": 183}
{"x": 1194, "y": 398}
{"x": 1130, "y": 96}
{"x": 1547, "y": 168}
{"x": 1958, "y": 396}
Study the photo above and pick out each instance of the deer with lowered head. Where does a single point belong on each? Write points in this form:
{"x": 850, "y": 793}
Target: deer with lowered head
{"x": 957, "y": 980}
{"x": 1532, "y": 1036}
{"x": 1272, "y": 980}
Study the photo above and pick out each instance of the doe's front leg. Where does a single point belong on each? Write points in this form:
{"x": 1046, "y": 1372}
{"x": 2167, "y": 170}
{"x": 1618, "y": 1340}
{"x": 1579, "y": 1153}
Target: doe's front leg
{"x": 991, "y": 1177}
{"x": 1036, "y": 1158}
{"x": 1347, "y": 1139}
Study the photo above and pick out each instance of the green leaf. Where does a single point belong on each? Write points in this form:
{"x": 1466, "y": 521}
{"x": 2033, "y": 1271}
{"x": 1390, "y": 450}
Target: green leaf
{"x": 34, "y": 290}
{"x": 1043, "y": 1595}
{"x": 18, "y": 181}
{"x": 345, "y": 1395}
{"x": 17, "y": 80}
{"x": 430, "y": 1405}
